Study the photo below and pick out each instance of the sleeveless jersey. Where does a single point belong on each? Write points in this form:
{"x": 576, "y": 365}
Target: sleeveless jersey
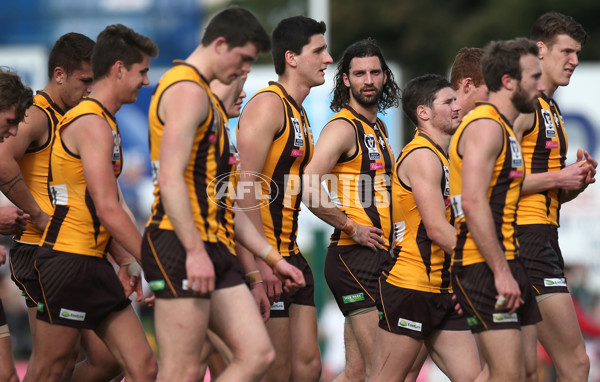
{"x": 420, "y": 264}
{"x": 34, "y": 166}
{"x": 281, "y": 184}
{"x": 210, "y": 175}
{"x": 361, "y": 185}
{"x": 74, "y": 226}
{"x": 503, "y": 193}
{"x": 544, "y": 150}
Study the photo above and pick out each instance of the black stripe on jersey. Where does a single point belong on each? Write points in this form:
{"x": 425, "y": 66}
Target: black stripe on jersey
{"x": 446, "y": 272}
{"x": 56, "y": 220}
{"x": 500, "y": 191}
{"x": 92, "y": 209}
{"x": 365, "y": 168}
{"x": 424, "y": 245}
{"x": 222, "y": 155}
{"x": 279, "y": 172}
{"x": 52, "y": 103}
{"x": 461, "y": 239}
{"x": 201, "y": 177}
{"x": 541, "y": 155}
{"x": 52, "y": 122}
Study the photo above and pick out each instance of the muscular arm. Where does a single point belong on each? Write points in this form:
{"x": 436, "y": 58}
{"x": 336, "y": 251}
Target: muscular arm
{"x": 480, "y": 144}
{"x": 91, "y": 138}
{"x": 422, "y": 171}
{"x": 183, "y": 107}
{"x": 33, "y": 132}
{"x": 336, "y": 139}
{"x": 570, "y": 178}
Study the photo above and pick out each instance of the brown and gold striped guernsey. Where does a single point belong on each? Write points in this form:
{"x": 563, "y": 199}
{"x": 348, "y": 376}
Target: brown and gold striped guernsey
{"x": 34, "y": 166}
{"x": 544, "y": 150}
{"x": 503, "y": 193}
{"x": 74, "y": 226}
{"x": 210, "y": 175}
{"x": 361, "y": 185}
{"x": 290, "y": 152}
{"x": 420, "y": 263}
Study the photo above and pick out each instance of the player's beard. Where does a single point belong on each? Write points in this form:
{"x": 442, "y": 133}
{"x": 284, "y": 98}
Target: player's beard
{"x": 522, "y": 102}
{"x": 367, "y": 101}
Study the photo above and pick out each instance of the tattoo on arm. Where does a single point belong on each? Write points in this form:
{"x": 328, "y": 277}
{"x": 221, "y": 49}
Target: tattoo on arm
{"x": 7, "y": 187}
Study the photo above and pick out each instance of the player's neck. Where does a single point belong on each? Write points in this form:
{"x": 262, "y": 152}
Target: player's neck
{"x": 202, "y": 60}
{"x": 295, "y": 88}
{"x": 440, "y": 137}
{"x": 504, "y": 104}
{"x": 369, "y": 112}
{"x": 549, "y": 85}
{"x": 104, "y": 92}
{"x": 54, "y": 93}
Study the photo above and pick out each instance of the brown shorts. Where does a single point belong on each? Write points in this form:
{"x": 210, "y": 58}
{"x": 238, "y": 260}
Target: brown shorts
{"x": 163, "y": 261}
{"x": 476, "y": 292}
{"x": 417, "y": 314}
{"x": 352, "y": 273}
{"x": 304, "y": 296}
{"x": 23, "y": 273}
{"x": 542, "y": 258}
{"x": 78, "y": 291}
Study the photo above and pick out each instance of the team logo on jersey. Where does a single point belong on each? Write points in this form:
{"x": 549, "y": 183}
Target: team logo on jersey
{"x": 515, "y": 151}
{"x": 371, "y": 145}
{"x": 547, "y": 117}
{"x": 399, "y": 230}
{"x": 446, "y": 181}
{"x": 456, "y": 202}
{"x": 59, "y": 195}
{"x": 298, "y": 136}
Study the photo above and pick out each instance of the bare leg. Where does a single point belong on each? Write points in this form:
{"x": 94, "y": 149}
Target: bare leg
{"x": 306, "y": 356}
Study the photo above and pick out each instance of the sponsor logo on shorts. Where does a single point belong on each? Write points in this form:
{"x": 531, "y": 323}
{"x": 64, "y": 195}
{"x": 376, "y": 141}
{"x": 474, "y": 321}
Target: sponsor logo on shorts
{"x": 411, "y": 325}
{"x": 157, "y": 284}
{"x": 356, "y": 297}
{"x": 74, "y": 315}
{"x": 184, "y": 284}
{"x": 40, "y": 306}
{"x": 472, "y": 321}
{"x": 279, "y": 305}
{"x": 504, "y": 317}
{"x": 558, "y": 282}
{"x": 380, "y": 316}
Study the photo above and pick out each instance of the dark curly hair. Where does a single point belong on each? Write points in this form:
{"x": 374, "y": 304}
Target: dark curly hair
{"x": 14, "y": 93}
{"x": 341, "y": 93}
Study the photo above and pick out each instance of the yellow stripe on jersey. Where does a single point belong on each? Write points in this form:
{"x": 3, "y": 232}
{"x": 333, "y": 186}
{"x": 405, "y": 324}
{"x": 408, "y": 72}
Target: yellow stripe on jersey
{"x": 74, "y": 226}
{"x": 361, "y": 185}
{"x": 34, "y": 165}
{"x": 290, "y": 152}
{"x": 544, "y": 150}
{"x": 210, "y": 175}
{"x": 503, "y": 193}
{"x": 420, "y": 263}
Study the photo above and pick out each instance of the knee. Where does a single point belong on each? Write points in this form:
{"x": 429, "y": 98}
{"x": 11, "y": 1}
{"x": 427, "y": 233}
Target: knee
{"x": 308, "y": 369}
{"x": 580, "y": 365}
{"x": 256, "y": 360}
{"x": 144, "y": 370}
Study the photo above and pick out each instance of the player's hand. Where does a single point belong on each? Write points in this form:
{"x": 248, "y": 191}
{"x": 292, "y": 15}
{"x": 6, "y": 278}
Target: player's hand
{"x": 369, "y": 237}
{"x": 292, "y": 277}
{"x": 2, "y": 254}
{"x": 12, "y": 220}
{"x": 260, "y": 296}
{"x": 573, "y": 177}
{"x": 509, "y": 293}
{"x": 457, "y": 306}
{"x": 130, "y": 283}
{"x": 200, "y": 272}
{"x": 150, "y": 301}
{"x": 592, "y": 164}
{"x": 271, "y": 283}
{"x": 41, "y": 221}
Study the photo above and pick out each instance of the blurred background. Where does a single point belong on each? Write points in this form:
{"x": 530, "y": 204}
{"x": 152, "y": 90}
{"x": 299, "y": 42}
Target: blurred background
{"x": 417, "y": 37}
